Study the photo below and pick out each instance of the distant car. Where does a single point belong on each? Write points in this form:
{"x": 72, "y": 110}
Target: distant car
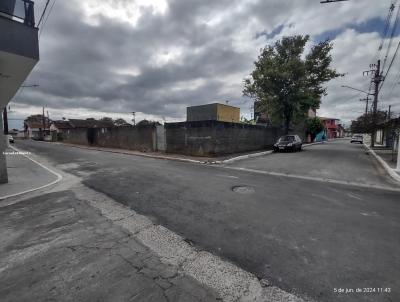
{"x": 357, "y": 138}
{"x": 288, "y": 143}
{"x": 10, "y": 139}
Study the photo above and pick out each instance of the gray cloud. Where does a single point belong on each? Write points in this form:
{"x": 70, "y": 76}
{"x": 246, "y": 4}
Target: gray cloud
{"x": 196, "y": 52}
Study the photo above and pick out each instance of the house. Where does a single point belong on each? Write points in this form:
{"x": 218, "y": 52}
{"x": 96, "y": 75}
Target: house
{"x": 90, "y": 123}
{"x": 19, "y": 53}
{"x": 37, "y": 127}
{"x": 331, "y": 126}
{"x": 213, "y": 112}
{"x": 34, "y": 130}
{"x": 80, "y": 131}
{"x": 387, "y": 133}
{"x": 57, "y": 129}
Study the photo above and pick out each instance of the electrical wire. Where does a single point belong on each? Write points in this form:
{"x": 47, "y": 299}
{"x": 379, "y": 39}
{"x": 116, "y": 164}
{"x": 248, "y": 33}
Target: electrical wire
{"x": 44, "y": 11}
{"x": 390, "y": 65}
{"x": 47, "y": 17}
{"x": 385, "y": 29}
{"x": 394, "y": 28}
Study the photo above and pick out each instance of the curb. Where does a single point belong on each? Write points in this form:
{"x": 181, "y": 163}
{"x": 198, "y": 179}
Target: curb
{"x": 59, "y": 178}
{"x": 384, "y": 164}
{"x": 226, "y": 161}
{"x": 135, "y": 154}
{"x": 231, "y": 160}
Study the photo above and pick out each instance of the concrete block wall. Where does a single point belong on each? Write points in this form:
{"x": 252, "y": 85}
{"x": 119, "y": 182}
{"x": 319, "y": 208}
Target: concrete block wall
{"x": 236, "y": 138}
{"x": 142, "y": 138}
{"x": 214, "y": 138}
{"x": 76, "y": 136}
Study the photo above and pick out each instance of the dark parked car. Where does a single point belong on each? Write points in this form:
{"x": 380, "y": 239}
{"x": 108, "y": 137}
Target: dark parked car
{"x": 288, "y": 143}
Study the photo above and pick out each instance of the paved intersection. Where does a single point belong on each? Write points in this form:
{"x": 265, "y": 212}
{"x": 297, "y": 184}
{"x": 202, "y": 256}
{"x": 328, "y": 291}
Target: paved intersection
{"x": 305, "y": 235}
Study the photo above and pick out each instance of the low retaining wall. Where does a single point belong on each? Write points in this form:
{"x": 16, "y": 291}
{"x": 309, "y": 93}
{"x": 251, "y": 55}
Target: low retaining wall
{"x": 214, "y": 138}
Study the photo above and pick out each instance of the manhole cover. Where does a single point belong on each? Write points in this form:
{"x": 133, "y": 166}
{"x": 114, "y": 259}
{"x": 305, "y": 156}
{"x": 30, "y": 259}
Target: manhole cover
{"x": 243, "y": 189}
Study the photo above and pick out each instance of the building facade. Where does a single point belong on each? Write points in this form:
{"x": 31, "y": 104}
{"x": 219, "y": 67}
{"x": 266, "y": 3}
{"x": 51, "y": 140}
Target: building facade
{"x": 331, "y": 126}
{"x": 19, "y": 53}
{"x": 213, "y": 112}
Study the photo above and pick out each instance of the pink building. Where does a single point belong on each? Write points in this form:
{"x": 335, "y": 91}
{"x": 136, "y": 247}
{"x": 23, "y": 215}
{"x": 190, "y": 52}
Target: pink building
{"x": 332, "y": 127}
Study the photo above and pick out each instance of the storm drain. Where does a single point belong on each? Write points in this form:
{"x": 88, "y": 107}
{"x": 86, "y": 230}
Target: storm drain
{"x": 243, "y": 189}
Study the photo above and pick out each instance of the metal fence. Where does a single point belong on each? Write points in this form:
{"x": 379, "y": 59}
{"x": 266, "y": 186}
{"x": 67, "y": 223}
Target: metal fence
{"x": 19, "y": 10}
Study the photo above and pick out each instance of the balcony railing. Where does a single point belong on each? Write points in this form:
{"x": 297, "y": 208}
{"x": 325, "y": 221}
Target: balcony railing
{"x": 18, "y": 10}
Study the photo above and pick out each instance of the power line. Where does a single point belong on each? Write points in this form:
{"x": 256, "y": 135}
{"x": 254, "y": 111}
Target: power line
{"x": 47, "y": 17}
{"x": 391, "y": 37}
{"x": 385, "y": 29}
{"x": 390, "y": 65}
{"x": 44, "y": 11}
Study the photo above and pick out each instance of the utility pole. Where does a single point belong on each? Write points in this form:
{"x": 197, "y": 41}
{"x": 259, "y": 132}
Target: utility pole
{"x": 390, "y": 107}
{"x": 377, "y": 79}
{"x": 5, "y": 118}
{"x": 366, "y": 104}
{"x": 44, "y": 124}
{"x": 134, "y": 118}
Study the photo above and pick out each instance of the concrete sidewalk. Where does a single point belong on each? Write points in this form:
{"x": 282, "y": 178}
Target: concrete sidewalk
{"x": 24, "y": 175}
{"x": 387, "y": 159}
{"x": 388, "y": 156}
{"x": 56, "y": 247}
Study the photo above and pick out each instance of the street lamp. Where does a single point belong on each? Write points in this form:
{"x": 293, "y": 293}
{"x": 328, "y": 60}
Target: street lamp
{"x": 331, "y": 1}
{"x": 345, "y": 86}
{"x": 29, "y": 86}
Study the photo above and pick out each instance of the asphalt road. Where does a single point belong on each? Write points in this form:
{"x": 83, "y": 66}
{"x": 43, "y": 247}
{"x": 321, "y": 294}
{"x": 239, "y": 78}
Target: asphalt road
{"x": 303, "y": 234}
{"x": 337, "y": 160}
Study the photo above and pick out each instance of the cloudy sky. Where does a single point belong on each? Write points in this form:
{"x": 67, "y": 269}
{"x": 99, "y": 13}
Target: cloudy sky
{"x": 156, "y": 57}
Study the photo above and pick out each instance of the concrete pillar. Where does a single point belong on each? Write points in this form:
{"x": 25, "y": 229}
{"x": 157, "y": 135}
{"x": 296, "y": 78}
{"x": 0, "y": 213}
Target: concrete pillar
{"x": 398, "y": 153}
{"x": 3, "y": 146}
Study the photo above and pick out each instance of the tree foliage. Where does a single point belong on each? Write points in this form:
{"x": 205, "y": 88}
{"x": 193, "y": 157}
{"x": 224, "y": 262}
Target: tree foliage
{"x": 147, "y": 122}
{"x": 107, "y": 119}
{"x": 314, "y": 126}
{"x": 289, "y": 83}
{"x": 365, "y": 123}
{"x": 120, "y": 122}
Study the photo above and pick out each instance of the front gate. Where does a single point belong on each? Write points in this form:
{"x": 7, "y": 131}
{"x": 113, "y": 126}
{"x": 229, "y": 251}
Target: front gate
{"x": 160, "y": 138}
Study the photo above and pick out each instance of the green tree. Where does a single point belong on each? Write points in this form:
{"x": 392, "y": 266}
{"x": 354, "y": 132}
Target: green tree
{"x": 120, "y": 122}
{"x": 289, "y": 83}
{"x": 107, "y": 119}
{"x": 314, "y": 126}
{"x": 365, "y": 123}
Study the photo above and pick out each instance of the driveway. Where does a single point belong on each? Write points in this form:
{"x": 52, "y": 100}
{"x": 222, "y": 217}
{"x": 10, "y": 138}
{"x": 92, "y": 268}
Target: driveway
{"x": 304, "y": 235}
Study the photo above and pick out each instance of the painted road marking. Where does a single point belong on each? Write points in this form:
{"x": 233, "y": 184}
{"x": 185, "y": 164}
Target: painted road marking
{"x": 326, "y": 180}
{"x": 59, "y": 177}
